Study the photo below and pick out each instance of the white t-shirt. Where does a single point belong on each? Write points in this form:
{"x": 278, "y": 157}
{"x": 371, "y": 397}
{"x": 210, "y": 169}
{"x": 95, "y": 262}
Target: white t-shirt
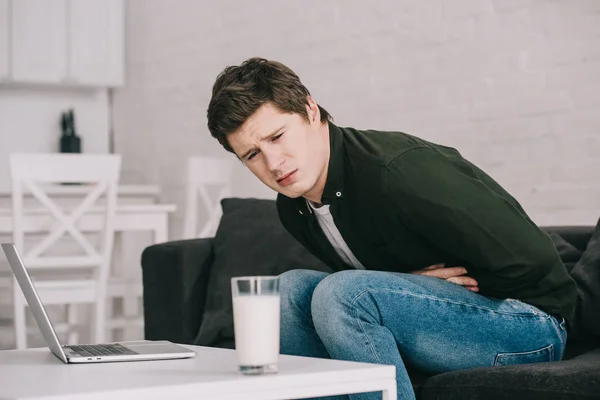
{"x": 332, "y": 233}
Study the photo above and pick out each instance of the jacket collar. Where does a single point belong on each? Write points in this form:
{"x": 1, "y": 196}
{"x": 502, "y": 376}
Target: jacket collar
{"x": 334, "y": 184}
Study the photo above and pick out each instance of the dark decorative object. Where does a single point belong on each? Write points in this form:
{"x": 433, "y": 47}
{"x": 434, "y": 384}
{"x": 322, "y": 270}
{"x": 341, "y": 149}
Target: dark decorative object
{"x": 69, "y": 141}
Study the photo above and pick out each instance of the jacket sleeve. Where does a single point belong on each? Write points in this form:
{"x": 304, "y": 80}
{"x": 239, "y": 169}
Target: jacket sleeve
{"x": 459, "y": 208}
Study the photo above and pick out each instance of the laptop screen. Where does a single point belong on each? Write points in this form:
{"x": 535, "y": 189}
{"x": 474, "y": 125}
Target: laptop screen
{"x": 35, "y": 304}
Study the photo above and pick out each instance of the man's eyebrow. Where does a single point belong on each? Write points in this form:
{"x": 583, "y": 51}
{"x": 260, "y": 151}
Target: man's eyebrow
{"x": 247, "y": 153}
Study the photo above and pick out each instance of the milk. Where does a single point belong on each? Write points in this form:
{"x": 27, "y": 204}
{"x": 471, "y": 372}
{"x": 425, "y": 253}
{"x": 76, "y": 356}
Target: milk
{"x": 256, "y": 324}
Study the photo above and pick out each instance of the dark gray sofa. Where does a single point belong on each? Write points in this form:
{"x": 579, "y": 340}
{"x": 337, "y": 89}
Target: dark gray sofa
{"x": 187, "y": 300}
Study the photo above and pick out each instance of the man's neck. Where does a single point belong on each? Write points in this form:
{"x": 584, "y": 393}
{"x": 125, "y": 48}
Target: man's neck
{"x": 315, "y": 205}
{"x": 316, "y": 193}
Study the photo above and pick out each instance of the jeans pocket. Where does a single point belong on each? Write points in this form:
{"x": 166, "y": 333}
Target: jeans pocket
{"x": 545, "y": 354}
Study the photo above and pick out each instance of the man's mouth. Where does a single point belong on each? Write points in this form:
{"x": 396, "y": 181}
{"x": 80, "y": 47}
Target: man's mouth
{"x": 287, "y": 178}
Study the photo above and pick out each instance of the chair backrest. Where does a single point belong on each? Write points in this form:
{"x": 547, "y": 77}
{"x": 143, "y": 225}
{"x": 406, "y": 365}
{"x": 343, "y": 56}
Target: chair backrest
{"x": 98, "y": 175}
{"x": 202, "y": 173}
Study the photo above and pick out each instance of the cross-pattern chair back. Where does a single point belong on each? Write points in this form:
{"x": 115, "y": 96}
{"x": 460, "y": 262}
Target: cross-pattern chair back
{"x": 202, "y": 173}
{"x": 93, "y": 216}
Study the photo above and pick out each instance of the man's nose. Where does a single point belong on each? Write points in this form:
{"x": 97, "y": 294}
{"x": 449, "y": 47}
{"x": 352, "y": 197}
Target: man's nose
{"x": 274, "y": 160}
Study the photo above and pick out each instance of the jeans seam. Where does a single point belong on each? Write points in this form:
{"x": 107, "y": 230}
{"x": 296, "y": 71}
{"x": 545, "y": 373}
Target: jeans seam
{"x": 409, "y": 293}
{"x": 362, "y": 328}
{"x": 554, "y": 322}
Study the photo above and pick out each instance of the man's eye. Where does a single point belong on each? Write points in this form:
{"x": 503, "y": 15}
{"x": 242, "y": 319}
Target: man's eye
{"x": 251, "y": 156}
{"x": 277, "y": 136}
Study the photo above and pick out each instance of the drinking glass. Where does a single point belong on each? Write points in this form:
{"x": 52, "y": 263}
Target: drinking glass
{"x": 256, "y": 323}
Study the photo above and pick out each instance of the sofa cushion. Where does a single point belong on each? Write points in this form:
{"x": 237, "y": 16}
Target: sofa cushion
{"x": 573, "y": 380}
{"x": 586, "y": 274}
{"x": 250, "y": 240}
{"x": 569, "y": 254}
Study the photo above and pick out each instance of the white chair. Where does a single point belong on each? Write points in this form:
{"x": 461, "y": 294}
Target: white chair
{"x": 73, "y": 278}
{"x": 202, "y": 173}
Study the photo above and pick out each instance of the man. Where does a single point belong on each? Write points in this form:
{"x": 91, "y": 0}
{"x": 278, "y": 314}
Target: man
{"x": 438, "y": 266}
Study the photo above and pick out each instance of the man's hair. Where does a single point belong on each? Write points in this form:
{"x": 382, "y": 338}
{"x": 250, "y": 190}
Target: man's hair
{"x": 239, "y": 91}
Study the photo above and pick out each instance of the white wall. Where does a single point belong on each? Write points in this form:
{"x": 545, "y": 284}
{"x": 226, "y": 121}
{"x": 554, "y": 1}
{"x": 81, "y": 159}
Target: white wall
{"x": 512, "y": 84}
{"x": 30, "y": 121}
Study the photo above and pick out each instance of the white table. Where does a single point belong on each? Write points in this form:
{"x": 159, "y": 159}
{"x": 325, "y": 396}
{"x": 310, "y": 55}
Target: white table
{"x": 136, "y": 211}
{"x": 123, "y": 190}
{"x": 129, "y": 217}
{"x": 38, "y": 374}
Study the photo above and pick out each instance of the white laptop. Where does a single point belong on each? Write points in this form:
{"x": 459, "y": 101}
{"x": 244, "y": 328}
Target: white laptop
{"x": 125, "y": 351}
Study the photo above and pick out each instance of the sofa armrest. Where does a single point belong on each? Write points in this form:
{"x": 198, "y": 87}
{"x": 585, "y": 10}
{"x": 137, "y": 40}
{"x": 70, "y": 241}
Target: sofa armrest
{"x": 578, "y": 236}
{"x": 175, "y": 278}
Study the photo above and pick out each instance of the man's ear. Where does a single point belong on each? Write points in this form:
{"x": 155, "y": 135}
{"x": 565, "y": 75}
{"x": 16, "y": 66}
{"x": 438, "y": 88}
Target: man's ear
{"x": 314, "y": 114}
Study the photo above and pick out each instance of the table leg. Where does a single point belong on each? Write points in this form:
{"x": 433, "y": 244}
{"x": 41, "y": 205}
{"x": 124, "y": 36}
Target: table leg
{"x": 161, "y": 229}
{"x": 116, "y": 274}
{"x": 132, "y": 279}
{"x": 390, "y": 392}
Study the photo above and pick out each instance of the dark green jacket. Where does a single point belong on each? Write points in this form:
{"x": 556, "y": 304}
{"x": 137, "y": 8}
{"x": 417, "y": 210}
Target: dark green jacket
{"x": 402, "y": 203}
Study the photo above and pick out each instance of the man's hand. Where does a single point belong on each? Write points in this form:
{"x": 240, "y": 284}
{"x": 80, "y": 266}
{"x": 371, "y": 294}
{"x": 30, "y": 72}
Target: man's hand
{"x": 451, "y": 274}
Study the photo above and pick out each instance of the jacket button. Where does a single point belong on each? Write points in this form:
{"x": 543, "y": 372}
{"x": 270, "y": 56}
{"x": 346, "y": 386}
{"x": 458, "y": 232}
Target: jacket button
{"x": 300, "y": 211}
{"x": 338, "y": 194}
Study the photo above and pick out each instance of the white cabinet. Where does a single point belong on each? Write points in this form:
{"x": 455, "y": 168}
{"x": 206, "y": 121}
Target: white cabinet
{"x": 68, "y": 42}
{"x": 96, "y": 43}
{"x": 4, "y": 40}
{"x": 39, "y": 41}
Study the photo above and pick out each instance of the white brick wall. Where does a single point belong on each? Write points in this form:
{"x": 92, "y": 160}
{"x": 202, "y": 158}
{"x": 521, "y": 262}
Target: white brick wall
{"x": 514, "y": 85}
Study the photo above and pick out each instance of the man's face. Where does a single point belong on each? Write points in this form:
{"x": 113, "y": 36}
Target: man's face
{"x": 285, "y": 151}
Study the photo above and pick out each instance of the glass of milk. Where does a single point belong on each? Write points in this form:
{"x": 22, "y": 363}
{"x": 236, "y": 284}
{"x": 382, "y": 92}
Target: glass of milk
{"x": 256, "y": 323}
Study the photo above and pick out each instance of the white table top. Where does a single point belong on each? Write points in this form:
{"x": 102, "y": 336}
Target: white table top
{"x": 119, "y": 209}
{"x": 122, "y": 190}
{"x": 212, "y": 374}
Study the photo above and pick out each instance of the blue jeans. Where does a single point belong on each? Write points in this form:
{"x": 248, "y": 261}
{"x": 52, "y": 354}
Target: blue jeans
{"x": 425, "y": 322}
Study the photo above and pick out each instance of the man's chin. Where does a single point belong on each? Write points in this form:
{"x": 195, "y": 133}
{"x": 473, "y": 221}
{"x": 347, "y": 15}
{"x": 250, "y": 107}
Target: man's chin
{"x": 291, "y": 195}
{"x": 288, "y": 192}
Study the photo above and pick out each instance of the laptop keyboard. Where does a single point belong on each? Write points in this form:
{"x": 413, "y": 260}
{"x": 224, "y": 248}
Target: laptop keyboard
{"x": 88, "y": 350}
